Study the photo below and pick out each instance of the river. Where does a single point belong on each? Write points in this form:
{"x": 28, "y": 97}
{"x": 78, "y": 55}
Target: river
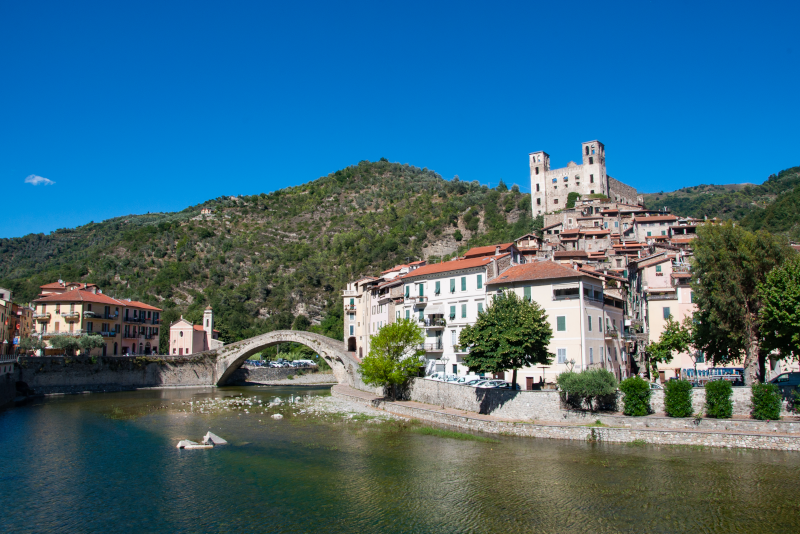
{"x": 108, "y": 463}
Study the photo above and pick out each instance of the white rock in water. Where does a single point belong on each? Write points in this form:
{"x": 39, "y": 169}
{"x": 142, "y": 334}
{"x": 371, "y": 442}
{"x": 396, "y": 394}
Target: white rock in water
{"x": 185, "y": 443}
{"x": 213, "y": 439}
{"x": 277, "y": 416}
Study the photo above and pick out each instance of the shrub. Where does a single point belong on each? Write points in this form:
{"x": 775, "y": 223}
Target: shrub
{"x": 595, "y": 388}
{"x": 718, "y": 399}
{"x": 678, "y": 398}
{"x": 767, "y": 401}
{"x": 637, "y": 396}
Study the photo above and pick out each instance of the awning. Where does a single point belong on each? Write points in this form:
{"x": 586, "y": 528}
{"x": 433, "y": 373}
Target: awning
{"x": 434, "y": 310}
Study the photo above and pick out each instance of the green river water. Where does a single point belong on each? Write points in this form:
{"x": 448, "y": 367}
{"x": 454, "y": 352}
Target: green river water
{"x": 108, "y": 463}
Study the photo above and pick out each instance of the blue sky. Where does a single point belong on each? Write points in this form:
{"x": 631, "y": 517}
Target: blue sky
{"x": 154, "y": 106}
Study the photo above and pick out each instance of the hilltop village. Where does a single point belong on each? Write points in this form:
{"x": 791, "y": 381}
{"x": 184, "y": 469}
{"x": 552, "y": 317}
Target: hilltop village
{"x": 607, "y": 271}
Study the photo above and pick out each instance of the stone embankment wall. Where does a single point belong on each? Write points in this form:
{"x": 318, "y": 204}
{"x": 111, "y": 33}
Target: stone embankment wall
{"x": 8, "y": 389}
{"x": 657, "y": 436}
{"x": 280, "y": 375}
{"x": 69, "y": 375}
{"x": 537, "y": 405}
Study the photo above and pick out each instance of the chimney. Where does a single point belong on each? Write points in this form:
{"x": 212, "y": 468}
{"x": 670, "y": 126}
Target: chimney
{"x": 497, "y": 250}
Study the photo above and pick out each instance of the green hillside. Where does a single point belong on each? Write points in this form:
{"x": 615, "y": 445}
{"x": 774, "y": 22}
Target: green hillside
{"x": 272, "y": 260}
{"x": 772, "y": 206}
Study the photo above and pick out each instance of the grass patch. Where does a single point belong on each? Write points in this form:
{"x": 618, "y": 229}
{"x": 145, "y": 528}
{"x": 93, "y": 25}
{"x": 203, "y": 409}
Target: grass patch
{"x": 451, "y": 434}
{"x": 636, "y": 443}
{"x": 597, "y": 423}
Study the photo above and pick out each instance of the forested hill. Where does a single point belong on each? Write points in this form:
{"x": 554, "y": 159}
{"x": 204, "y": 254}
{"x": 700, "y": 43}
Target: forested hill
{"x": 773, "y": 205}
{"x": 272, "y": 260}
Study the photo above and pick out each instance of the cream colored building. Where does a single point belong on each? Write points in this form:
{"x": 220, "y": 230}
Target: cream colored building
{"x": 586, "y": 331}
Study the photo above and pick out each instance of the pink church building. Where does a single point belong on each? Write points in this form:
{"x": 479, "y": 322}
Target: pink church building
{"x": 188, "y": 338}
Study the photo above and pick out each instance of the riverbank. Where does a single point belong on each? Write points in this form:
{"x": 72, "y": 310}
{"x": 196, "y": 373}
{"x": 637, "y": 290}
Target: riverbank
{"x": 774, "y": 437}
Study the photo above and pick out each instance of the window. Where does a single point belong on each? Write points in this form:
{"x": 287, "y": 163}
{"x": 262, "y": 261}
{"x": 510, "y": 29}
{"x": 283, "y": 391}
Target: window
{"x": 398, "y": 314}
{"x": 453, "y": 337}
{"x": 591, "y": 160}
{"x": 591, "y": 192}
{"x": 555, "y": 201}
{"x": 480, "y": 281}
{"x": 438, "y": 287}
{"x": 658, "y": 267}
{"x": 663, "y": 232}
{"x": 421, "y": 290}
{"x": 649, "y": 234}
{"x": 528, "y": 293}
{"x": 599, "y": 324}
{"x": 591, "y": 355}
{"x": 421, "y": 316}
{"x": 463, "y": 311}
{"x": 538, "y": 201}
{"x": 537, "y": 186}
{"x": 622, "y": 355}
{"x": 537, "y": 172}
{"x": 408, "y": 291}
{"x": 605, "y": 224}
{"x": 566, "y": 178}
{"x": 408, "y": 314}
{"x": 562, "y": 355}
{"x": 561, "y": 323}
{"x": 452, "y": 312}
{"x": 555, "y": 180}
{"x": 452, "y": 285}
{"x": 590, "y": 323}
{"x": 616, "y": 224}
{"x": 667, "y": 314}
{"x": 591, "y": 179}
{"x": 351, "y": 330}
{"x": 463, "y": 283}
{"x": 691, "y": 296}
{"x": 701, "y": 358}
{"x": 480, "y": 307}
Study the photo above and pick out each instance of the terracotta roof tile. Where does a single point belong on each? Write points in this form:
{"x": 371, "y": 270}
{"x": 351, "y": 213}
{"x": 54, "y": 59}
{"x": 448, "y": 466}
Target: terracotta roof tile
{"x": 538, "y": 270}
{"x": 655, "y": 218}
{"x": 81, "y": 295}
{"x": 487, "y": 250}
{"x": 452, "y": 266}
{"x": 569, "y": 253}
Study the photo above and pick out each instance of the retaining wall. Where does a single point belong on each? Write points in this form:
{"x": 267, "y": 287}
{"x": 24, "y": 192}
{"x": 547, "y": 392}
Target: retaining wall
{"x": 8, "y": 389}
{"x": 583, "y": 433}
{"x": 68, "y": 375}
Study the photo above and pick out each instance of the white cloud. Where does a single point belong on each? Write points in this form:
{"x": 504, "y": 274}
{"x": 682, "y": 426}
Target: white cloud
{"x": 38, "y": 180}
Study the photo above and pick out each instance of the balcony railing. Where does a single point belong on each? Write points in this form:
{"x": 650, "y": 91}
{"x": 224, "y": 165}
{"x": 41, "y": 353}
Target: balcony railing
{"x": 612, "y": 333}
{"x": 422, "y": 300}
{"x": 130, "y": 335}
{"x": 92, "y": 315}
{"x": 662, "y": 296}
{"x": 350, "y": 307}
{"x": 42, "y": 316}
{"x": 108, "y": 334}
{"x": 350, "y": 293}
{"x": 432, "y": 347}
{"x": 434, "y": 323}
{"x": 681, "y": 268}
{"x": 460, "y": 349}
{"x": 71, "y": 315}
{"x": 74, "y": 333}
{"x": 110, "y": 316}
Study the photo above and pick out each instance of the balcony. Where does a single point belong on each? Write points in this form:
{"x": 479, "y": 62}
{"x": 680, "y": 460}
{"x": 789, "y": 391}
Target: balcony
{"x": 349, "y": 307}
{"x": 421, "y": 301}
{"x": 662, "y": 296}
{"x": 432, "y": 347}
{"x": 460, "y": 349}
{"x": 108, "y": 334}
{"x": 71, "y": 315}
{"x": 92, "y": 315}
{"x": 612, "y": 333}
{"x": 681, "y": 268}
{"x": 111, "y": 316}
{"x": 349, "y": 293}
{"x": 74, "y": 333}
{"x": 140, "y": 319}
{"x": 434, "y": 323}
{"x": 42, "y": 317}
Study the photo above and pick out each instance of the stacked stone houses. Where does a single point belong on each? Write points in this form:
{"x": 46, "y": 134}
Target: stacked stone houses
{"x": 607, "y": 271}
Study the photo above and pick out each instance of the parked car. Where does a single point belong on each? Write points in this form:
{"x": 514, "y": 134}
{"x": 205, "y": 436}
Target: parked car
{"x": 787, "y": 382}
{"x": 656, "y": 385}
{"x": 473, "y": 381}
{"x": 467, "y": 378}
{"x": 438, "y": 375}
{"x": 515, "y": 387}
{"x": 494, "y": 384}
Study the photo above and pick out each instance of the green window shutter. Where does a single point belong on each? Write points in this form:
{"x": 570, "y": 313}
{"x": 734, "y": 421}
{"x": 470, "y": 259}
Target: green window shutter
{"x": 480, "y": 281}
{"x": 422, "y": 290}
{"x": 408, "y": 290}
{"x": 561, "y": 323}
{"x": 352, "y": 302}
{"x": 658, "y": 268}
{"x": 666, "y": 312}
{"x": 463, "y": 311}
{"x": 480, "y": 307}
{"x": 452, "y": 285}
{"x": 528, "y": 293}
{"x": 438, "y": 287}
{"x": 408, "y": 313}
{"x": 463, "y": 283}
{"x": 590, "y": 323}
{"x": 649, "y": 234}
{"x": 421, "y": 317}
{"x": 599, "y": 324}
{"x": 452, "y": 312}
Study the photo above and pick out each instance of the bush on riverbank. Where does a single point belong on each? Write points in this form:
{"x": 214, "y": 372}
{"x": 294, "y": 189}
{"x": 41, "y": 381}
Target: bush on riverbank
{"x": 593, "y": 388}
{"x": 678, "y": 398}
{"x": 637, "y": 396}
{"x": 767, "y": 400}
{"x": 718, "y": 399}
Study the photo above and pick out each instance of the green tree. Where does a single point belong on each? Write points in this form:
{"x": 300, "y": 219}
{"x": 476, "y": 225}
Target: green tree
{"x": 89, "y": 342}
{"x": 394, "y": 355}
{"x": 457, "y": 235}
{"x": 675, "y": 338}
{"x": 512, "y": 333}
{"x": 68, "y": 344}
{"x": 31, "y": 344}
{"x": 571, "y": 199}
{"x": 780, "y": 310}
{"x": 729, "y": 265}
{"x": 301, "y": 322}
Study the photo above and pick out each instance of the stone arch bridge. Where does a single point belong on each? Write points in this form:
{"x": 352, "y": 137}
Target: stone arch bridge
{"x": 345, "y": 367}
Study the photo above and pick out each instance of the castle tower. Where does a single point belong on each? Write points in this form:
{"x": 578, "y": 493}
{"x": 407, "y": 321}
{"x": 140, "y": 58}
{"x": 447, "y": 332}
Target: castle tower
{"x": 208, "y": 323}
{"x": 540, "y": 165}
{"x": 594, "y": 168}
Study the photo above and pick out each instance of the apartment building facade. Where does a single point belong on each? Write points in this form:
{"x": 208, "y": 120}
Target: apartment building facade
{"x": 126, "y": 326}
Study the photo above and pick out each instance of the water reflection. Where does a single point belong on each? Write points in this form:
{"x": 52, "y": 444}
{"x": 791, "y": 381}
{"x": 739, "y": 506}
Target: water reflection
{"x": 70, "y": 465}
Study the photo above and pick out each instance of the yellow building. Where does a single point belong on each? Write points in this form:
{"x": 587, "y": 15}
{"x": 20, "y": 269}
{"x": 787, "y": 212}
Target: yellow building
{"x": 127, "y": 327}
